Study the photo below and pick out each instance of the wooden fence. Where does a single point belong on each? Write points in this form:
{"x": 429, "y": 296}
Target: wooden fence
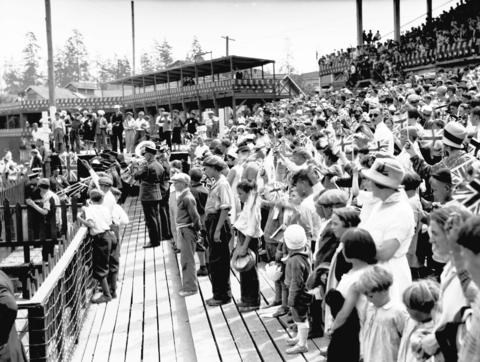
{"x": 53, "y": 294}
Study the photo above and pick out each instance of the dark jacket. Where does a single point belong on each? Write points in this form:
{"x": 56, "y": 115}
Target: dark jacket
{"x": 297, "y": 270}
{"x": 150, "y": 177}
{"x": 11, "y": 349}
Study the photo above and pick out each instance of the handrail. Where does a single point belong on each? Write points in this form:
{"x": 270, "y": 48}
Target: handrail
{"x": 59, "y": 269}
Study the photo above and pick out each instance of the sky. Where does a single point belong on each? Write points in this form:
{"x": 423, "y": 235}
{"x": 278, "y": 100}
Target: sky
{"x": 262, "y": 28}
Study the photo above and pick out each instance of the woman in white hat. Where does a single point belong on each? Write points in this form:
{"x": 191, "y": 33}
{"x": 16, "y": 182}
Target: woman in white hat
{"x": 390, "y": 221}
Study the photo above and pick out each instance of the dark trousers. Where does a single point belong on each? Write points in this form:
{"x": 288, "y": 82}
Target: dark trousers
{"x": 219, "y": 257}
{"x": 117, "y": 141}
{"x": 249, "y": 284}
{"x": 75, "y": 140}
{"x": 152, "y": 220}
{"x": 165, "y": 226}
{"x": 167, "y": 136}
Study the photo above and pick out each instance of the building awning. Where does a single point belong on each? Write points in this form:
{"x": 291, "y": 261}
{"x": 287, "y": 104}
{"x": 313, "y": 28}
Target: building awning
{"x": 204, "y": 68}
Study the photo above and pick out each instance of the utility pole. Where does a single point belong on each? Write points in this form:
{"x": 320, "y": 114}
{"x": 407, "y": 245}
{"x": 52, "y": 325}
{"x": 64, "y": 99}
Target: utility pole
{"x": 51, "y": 74}
{"x": 227, "y": 40}
{"x": 133, "y": 36}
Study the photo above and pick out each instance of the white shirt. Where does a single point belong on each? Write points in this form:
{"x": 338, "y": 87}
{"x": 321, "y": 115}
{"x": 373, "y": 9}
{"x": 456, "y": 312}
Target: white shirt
{"x": 384, "y": 136}
{"x": 109, "y": 201}
{"x": 100, "y": 216}
{"x": 387, "y": 220}
{"x": 119, "y": 215}
{"x": 46, "y": 204}
{"x": 200, "y": 150}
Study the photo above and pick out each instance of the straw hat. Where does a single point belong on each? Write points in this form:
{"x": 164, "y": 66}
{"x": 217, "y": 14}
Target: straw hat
{"x": 454, "y": 134}
{"x": 387, "y": 172}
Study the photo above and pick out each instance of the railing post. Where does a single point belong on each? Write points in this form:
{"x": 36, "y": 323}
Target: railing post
{"x": 37, "y": 334}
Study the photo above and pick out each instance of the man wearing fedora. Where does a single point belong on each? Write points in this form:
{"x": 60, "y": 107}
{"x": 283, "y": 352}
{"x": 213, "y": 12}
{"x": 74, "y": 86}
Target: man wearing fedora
{"x": 454, "y": 135}
{"x": 150, "y": 177}
{"x": 390, "y": 221}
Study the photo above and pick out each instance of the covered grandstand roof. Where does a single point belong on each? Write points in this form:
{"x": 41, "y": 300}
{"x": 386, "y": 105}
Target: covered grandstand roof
{"x": 204, "y": 68}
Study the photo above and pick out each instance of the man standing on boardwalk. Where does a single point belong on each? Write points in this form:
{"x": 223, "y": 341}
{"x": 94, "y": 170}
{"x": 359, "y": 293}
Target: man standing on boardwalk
{"x": 188, "y": 226}
{"x": 219, "y": 231}
{"x": 150, "y": 177}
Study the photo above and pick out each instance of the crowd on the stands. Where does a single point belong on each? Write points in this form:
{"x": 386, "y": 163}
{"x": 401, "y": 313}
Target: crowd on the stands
{"x": 454, "y": 33}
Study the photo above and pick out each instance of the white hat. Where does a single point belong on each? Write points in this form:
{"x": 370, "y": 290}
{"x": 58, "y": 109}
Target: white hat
{"x": 454, "y": 134}
{"x": 101, "y": 112}
{"x": 387, "y": 172}
{"x": 295, "y": 237}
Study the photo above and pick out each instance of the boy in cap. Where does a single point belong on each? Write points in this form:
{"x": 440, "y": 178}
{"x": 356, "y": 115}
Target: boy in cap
{"x": 219, "y": 231}
{"x": 297, "y": 269}
{"x": 46, "y": 211}
{"x": 188, "y": 224}
{"x": 105, "y": 256}
{"x": 200, "y": 193}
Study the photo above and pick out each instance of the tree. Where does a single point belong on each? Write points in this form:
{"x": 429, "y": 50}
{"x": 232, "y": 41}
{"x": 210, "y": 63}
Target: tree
{"x": 31, "y": 72}
{"x": 18, "y": 78}
{"x": 12, "y": 77}
{"x": 195, "y": 51}
{"x": 287, "y": 64}
{"x": 111, "y": 69}
{"x": 71, "y": 63}
{"x": 162, "y": 55}
{"x": 146, "y": 63}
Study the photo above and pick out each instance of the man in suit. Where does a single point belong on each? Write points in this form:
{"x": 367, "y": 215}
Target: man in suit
{"x": 150, "y": 177}
{"x": 117, "y": 130}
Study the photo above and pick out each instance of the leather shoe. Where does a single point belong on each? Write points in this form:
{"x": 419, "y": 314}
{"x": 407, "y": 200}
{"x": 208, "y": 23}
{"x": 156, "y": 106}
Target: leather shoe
{"x": 150, "y": 245}
{"x": 212, "y": 302}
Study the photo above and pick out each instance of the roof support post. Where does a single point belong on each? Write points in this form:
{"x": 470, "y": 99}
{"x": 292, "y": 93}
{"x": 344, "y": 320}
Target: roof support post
{"x": 274, "y": 83}
{"x": 359, "y": 22}
{"x": 396, "y": 20}
{"x": 429, "y": 11}
{"x": 155, "y": 82}
{"x": 169, "y": 92}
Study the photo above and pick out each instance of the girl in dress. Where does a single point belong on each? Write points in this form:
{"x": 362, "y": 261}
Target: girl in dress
{"x": 421, "y": 300}
{"x": 384, "y": 319}
{"x": 359, "y": 249}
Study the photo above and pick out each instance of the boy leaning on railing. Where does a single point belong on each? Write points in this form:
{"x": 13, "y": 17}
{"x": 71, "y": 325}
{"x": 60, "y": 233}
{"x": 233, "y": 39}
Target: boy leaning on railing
{"x": 105, "y": 258}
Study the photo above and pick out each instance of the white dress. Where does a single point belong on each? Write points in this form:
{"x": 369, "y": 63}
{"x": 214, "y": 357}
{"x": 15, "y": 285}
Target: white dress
{"x": 348, "y": 281}
{"x": 382, "y": 331}
{"x": 392, "y": 219}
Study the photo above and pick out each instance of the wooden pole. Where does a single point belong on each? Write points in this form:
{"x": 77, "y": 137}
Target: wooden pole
{"x": 359, "y": 23}
{"x": 396, "y": 20}
{"x": 51, "y": 74}
{"x": 133, "y": 36}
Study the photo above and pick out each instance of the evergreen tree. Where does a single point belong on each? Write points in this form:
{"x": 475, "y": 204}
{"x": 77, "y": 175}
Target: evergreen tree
{"x": 31, "y": 72}
{"x": 12, "y": 77}
{"x": 146, "y": 63}
{"x": 287, "y": 66}
{"x": 71, "y": 63}
{"x": 195, "y": 51}
{"x": 162, "y": 55}
{"x": 112, "y": 69}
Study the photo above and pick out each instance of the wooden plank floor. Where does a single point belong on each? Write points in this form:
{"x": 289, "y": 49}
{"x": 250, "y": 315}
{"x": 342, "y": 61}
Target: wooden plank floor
{"x": 149, "y": 321}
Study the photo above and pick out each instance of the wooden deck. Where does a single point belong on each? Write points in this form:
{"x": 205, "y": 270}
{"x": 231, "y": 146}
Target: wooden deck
{"x": 149, "y": 321}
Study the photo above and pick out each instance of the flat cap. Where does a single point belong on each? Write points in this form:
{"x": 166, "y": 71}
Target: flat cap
{"x": 215, "y": 162}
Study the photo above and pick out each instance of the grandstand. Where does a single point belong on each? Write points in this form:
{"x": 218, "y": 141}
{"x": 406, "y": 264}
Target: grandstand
{"x": 449, "y": 40}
